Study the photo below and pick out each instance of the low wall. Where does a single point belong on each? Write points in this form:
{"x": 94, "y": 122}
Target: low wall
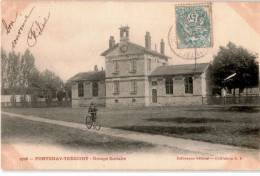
{"x": 85, "y": 102}
{"x": 7, "y": 98}
{"x": 179, "y": 100}
{"x": 39, "y": 104}
{"x": 130, "y": 101}
{"x": 161, "y": 101}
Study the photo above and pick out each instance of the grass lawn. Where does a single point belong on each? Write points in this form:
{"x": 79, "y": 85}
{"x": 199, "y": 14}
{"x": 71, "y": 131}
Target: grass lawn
{"x": 15, "y": 130}
{"x": 212, "y": 124}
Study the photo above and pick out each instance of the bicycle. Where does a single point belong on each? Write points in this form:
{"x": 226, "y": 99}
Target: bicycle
{"x": 90, "y": 123}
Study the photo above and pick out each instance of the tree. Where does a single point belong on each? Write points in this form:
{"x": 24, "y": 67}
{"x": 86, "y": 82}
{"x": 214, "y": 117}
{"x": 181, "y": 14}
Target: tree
{"x": 4, "y": 60}
{"x": 232, "y": 59}
{"x": 16, "y": 71}
{"x": 36, "y": 82}
{"x": 27, "y": 68}
{"x": 51, "y": 84}
{"x": 61, "y": 94}
{"x": 13, "y": 71}
{"x": 20, "y": 76}
{"x": 68, "y": 88}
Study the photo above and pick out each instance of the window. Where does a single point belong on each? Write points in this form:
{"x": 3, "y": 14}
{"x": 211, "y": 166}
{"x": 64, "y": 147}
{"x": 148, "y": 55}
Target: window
{"x": 189, "y": 85}
{"x": 149, "y": 64}
{"x": 80, "y": 90}
{"x": 169, "y": 85}
{"x": 133, "y": 65}
{"x": 116, "y": 100}
{"x": 116, "y": 86}
{"x": 133, "y": 86}
{"x": 115, "y": 66}
{"x": 95, "y": 89}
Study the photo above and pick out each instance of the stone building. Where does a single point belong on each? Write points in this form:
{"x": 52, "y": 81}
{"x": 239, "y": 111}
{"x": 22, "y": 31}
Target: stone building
{"x": 88, "y": 87}
{"x": 128, "y": 66}
{"x": 138, "y": 76}
{"x": 180, "y": 84}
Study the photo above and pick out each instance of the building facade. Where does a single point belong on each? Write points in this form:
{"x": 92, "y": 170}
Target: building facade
{"x": 180, "y": 84}
{"x": 128, "y": 66}
{"x": 138, "y": 76}
{"x": 88, "y": 87}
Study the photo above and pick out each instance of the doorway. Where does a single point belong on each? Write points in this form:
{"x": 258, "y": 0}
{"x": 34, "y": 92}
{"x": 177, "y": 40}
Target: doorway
{"x": 154, "y": 95}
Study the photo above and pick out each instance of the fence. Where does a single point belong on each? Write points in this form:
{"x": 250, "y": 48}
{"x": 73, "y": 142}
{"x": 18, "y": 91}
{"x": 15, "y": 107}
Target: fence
{"x": 38, "y": 104}
{"x": 244, "y": 100}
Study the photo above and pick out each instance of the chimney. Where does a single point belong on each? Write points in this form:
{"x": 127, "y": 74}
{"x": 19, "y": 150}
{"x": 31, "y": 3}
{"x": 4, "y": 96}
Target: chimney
{"x": 147, "y": 41}
{"x": 95, "y": 68}
{"x": 162, "y": 47}
{"x": 111, "y": 42}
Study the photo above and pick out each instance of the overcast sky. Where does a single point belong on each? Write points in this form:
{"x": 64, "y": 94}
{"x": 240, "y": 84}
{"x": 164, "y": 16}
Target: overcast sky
{"x": 77, "y": 32}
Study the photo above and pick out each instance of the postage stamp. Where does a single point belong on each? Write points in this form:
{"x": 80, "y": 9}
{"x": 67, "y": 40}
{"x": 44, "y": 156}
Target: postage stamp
{"x": 193, "y": 26}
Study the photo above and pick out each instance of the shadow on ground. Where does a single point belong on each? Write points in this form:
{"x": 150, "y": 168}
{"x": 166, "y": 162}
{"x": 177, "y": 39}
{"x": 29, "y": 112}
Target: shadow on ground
{"x": 166, "y": 130}
{"x": 188, "y": 120}
{"x": 243, "y": 137}
{"x": 22, "y": 131}
{"x": 245, "y": 109}
{"x": 249, "y": 131}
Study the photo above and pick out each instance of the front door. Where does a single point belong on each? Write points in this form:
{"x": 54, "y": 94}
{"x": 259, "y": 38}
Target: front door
{"x": 154, "y": 95}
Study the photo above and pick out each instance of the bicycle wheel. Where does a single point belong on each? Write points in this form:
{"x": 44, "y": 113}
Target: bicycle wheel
{"x": 97, "y": 125}
{"x": 89, "y": 122}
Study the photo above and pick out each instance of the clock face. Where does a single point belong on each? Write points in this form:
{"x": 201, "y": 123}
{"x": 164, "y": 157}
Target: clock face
{"x": 124, "y": 48}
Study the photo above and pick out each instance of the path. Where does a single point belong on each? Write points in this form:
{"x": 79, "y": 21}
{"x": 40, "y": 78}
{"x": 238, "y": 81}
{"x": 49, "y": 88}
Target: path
{"x": 203, "y": 148}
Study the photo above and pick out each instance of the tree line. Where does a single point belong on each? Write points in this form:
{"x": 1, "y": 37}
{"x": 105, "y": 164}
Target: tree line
{"x": 21, "y": 77}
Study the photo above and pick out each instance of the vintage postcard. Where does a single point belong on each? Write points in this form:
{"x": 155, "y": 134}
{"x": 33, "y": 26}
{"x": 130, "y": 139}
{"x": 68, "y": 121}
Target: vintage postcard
{"x": 130, "y": 85}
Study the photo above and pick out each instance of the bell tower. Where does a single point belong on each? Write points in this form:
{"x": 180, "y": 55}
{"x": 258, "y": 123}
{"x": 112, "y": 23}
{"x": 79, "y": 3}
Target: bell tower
{"x": 124, "y": 33}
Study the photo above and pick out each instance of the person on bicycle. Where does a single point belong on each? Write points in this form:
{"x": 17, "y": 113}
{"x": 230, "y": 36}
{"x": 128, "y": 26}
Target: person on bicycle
{"x": 93, "y": 111}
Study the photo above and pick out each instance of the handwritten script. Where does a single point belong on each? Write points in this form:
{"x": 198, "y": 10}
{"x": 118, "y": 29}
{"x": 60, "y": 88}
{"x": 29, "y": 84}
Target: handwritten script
{"x": 36, "y": 30}
{"x": 10, "y": 25}
{"x": 26, "y": 17}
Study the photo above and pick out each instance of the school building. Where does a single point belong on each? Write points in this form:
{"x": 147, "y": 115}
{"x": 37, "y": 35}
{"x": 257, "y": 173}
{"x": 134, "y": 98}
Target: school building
{"x": 139, "y": 76}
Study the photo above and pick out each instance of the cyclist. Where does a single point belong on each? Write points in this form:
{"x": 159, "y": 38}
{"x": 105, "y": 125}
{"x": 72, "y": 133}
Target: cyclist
{"x": 93, "y": 111}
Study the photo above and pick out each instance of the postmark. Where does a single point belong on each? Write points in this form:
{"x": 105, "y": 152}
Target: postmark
{"x": 192, "y": 34}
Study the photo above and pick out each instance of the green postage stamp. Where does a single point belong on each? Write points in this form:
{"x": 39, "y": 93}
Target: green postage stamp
{"x": 193, "y": 26}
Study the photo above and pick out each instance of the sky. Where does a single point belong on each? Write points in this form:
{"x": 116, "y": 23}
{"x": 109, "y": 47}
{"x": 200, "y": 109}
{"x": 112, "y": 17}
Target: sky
{"x": 76, "y": 33}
